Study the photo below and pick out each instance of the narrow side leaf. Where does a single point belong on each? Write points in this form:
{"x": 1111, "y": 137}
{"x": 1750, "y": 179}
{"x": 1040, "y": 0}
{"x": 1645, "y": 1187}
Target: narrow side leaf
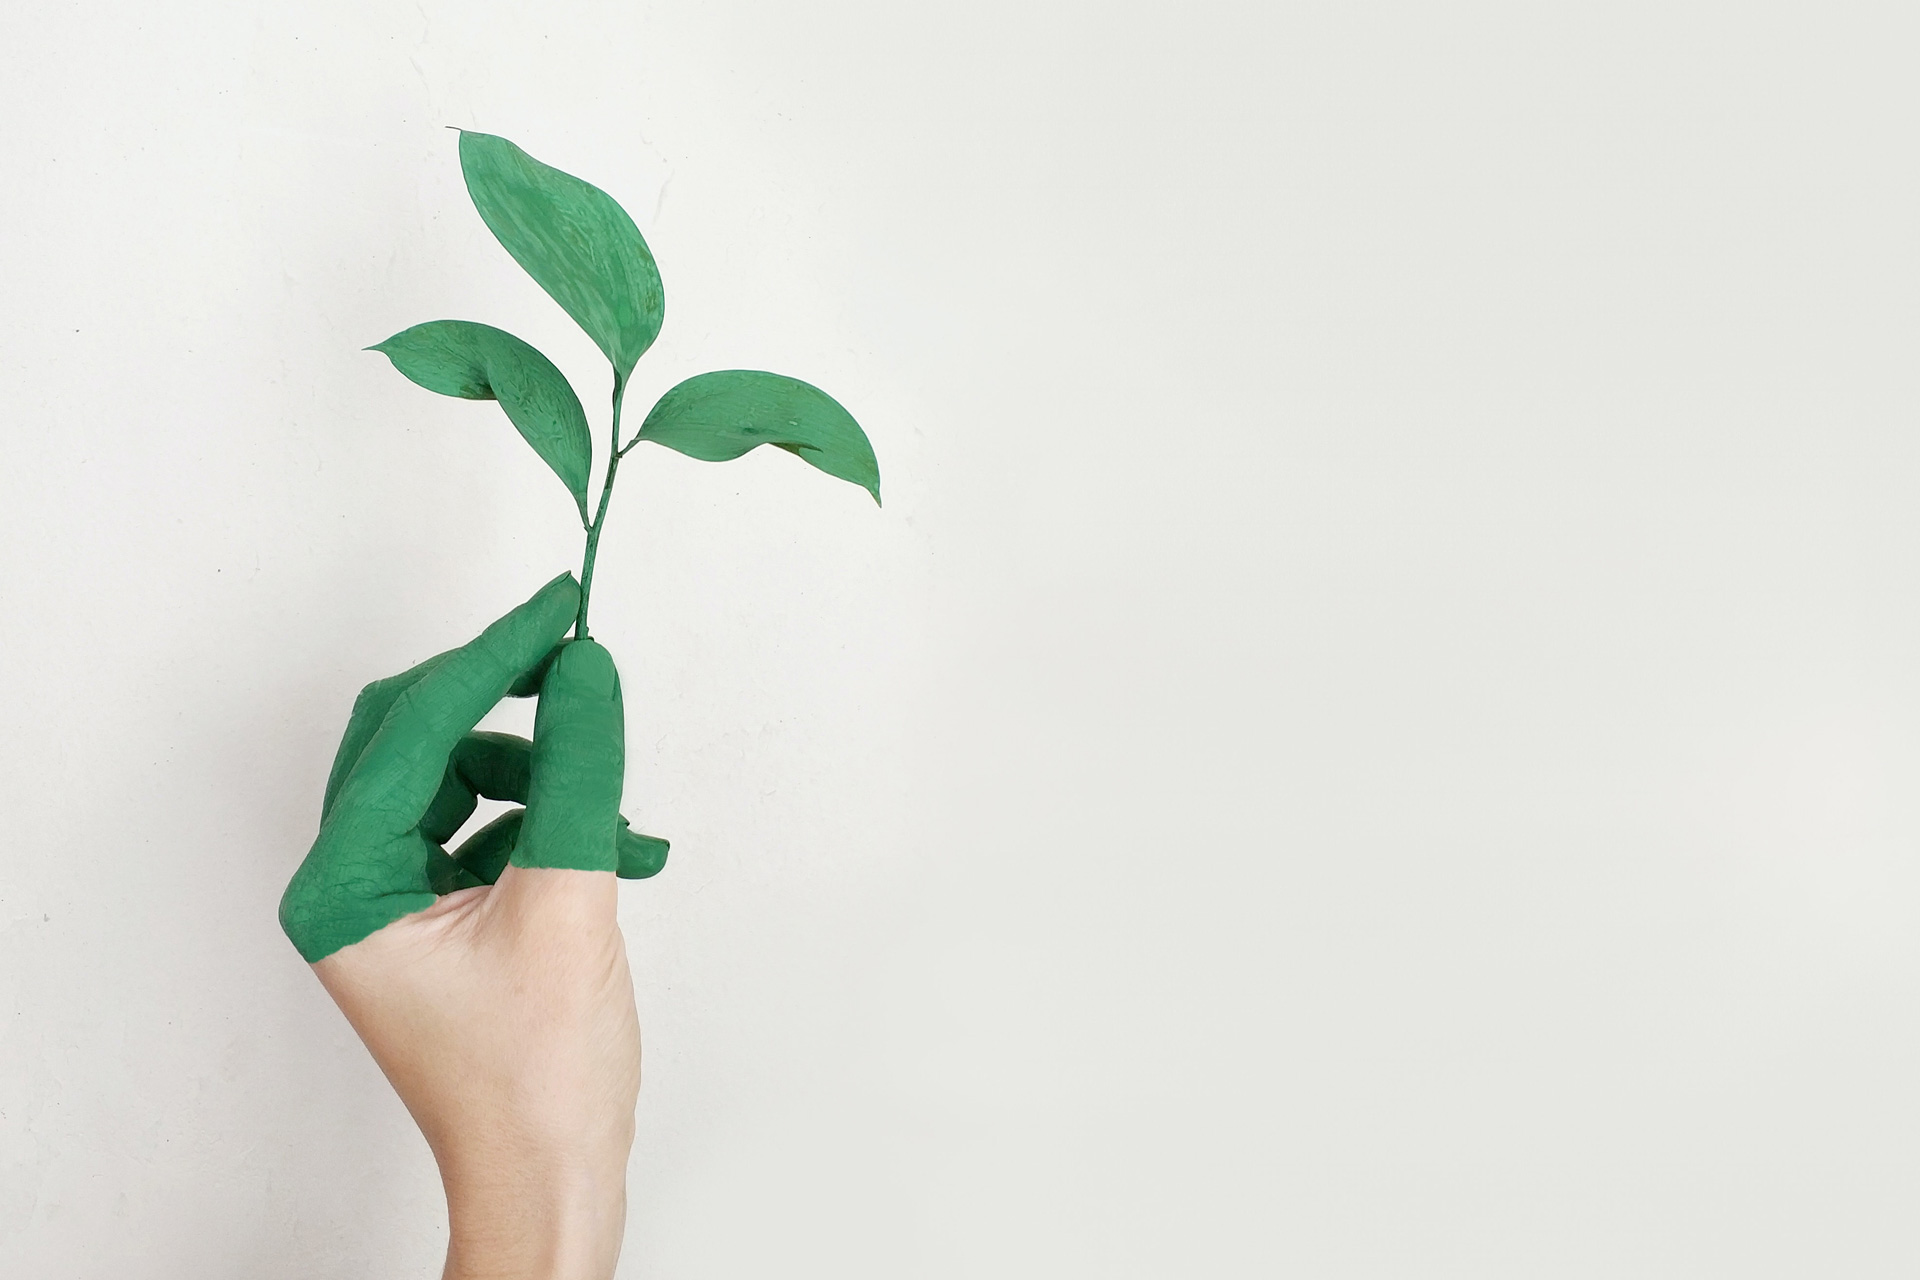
{"x": 479, "y": 362}
{"x": 574, "y": 239}
{"x": 716, "y": 417}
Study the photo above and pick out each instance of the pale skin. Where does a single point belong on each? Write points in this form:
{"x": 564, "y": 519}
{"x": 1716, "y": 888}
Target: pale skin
{"x": 504, "y": 1017}
{"x": 491, "y": 984}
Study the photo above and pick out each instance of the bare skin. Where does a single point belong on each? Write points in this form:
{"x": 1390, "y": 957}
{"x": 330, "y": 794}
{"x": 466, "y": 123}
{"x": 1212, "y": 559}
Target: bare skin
{"x": 491, "y": 983}
{"x": 504, "y": 1017}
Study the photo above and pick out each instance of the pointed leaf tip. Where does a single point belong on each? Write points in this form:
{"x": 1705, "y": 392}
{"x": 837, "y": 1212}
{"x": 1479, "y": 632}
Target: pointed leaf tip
{"x": 574, "y": 240}
{"x": 719, "y": 416}
{"x": 479, "y": 362}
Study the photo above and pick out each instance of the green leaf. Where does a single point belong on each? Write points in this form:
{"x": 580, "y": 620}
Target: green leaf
{"x": 716, "y": 417}
{"x": 480, "y": 362}
{"x": 574, "y": 239}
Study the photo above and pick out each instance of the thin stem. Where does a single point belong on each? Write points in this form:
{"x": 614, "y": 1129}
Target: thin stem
{"x": 614, "y": 454}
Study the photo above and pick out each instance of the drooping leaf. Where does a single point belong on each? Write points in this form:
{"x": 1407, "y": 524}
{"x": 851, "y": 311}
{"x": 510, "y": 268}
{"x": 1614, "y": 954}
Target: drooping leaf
{"x": 716, "y": 417}
{"x": 574, "y": 239}
{"x": 479, "y": 362}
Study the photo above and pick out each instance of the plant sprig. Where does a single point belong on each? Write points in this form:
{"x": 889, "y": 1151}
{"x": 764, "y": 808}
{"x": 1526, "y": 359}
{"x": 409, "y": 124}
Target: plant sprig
{"x": 581, "y": 247}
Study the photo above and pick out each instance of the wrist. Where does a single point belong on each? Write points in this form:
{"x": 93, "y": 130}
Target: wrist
{"x": 526, "y": 1226}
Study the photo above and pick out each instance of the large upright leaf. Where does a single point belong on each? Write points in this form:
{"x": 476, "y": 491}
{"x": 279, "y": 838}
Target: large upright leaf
{"x": 574, "y": 239}
{"x": 716, "y": 417}
{"x": 479, "y": 362}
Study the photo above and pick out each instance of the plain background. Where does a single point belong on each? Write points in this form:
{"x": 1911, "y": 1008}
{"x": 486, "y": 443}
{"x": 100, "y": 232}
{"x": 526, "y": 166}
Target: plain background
{"x": 1375, "y": 735}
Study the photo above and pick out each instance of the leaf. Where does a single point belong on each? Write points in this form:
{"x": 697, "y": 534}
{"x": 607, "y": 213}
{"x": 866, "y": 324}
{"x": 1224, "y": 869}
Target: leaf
{"x": 479, "y": 362}
{"x": 574, "y": 239}
{"x": 716, "y": 417}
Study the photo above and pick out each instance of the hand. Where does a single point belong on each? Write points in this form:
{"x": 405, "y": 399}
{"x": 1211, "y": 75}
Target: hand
{"x": 491, "y": 985}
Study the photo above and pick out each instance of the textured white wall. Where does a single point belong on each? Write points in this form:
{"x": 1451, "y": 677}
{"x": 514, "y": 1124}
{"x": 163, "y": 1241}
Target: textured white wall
{"x": 1375, "y": 735}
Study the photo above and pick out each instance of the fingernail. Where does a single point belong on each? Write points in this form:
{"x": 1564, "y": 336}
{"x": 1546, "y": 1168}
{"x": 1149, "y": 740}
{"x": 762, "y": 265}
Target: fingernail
{"x": 588, "y": 668}
{"x": 555, "y": 587}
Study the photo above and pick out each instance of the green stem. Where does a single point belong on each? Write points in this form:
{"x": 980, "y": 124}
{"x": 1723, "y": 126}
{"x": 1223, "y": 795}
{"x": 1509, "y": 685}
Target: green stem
{"x": 614, "y": 454}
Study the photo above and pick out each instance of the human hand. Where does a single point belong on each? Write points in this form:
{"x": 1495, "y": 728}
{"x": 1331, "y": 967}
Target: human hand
{"x": 491, "y": 985}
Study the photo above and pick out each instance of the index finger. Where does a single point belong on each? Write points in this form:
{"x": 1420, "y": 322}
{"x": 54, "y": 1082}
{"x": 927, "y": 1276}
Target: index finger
{"x": 371, "y": 708}
{"x": 402, "y": 765}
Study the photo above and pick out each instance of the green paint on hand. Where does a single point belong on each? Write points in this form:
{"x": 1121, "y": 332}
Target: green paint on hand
{"x": 410, "y": 768}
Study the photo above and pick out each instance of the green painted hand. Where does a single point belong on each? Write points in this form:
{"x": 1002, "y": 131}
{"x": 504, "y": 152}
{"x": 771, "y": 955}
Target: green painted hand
{"x": 410, "y": 767}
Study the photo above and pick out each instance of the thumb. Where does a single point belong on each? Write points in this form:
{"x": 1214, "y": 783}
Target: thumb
{"x": 578, "y": 766}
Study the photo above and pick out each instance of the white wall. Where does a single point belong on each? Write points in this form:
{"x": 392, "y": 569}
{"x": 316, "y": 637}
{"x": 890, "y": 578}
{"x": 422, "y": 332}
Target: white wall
{"x": 1375, "y": 735}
